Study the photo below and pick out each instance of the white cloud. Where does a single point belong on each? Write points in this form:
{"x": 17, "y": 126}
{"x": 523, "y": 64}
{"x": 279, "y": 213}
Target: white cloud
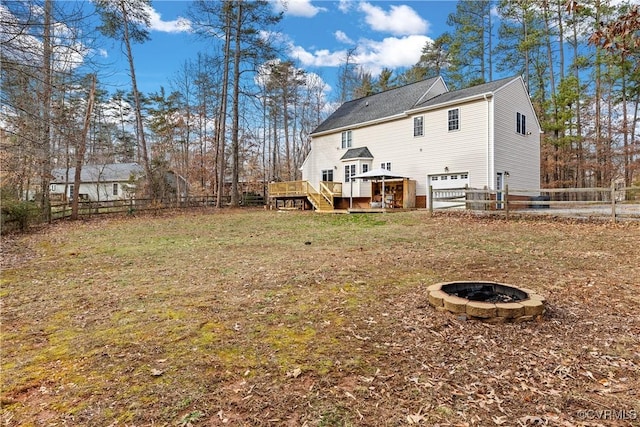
{"x": 318, "y": 58}
{"x": 391, "y": 52}
{"x": 302, "y": 8}
{"x": 342, "y": 37}
{"x": 179, "y": 25}
{"x": 399, "y": 20}
{"x": 345, "y": 5}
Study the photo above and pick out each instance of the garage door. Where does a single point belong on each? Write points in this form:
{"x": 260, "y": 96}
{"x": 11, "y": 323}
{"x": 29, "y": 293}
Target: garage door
{"x": 448, "y": 185}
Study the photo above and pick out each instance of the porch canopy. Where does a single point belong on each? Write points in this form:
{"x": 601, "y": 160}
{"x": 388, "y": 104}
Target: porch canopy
{"x": 377, "y": 175}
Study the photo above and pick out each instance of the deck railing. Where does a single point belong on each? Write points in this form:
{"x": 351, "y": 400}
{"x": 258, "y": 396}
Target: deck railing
{"x": 288, "y": 188}
{"x": 320, "y": 199}
{"x": 330, "y": 189}
{"x": 302, "y": 188}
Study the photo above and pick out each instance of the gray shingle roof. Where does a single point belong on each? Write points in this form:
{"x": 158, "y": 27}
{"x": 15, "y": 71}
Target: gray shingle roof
{"x": 357, "y": 153}
{"x": 377, "y": 106}
{"x": 399, "y": 100}
{"x": 115, "y": 172}
{"x": 465, "y": 93}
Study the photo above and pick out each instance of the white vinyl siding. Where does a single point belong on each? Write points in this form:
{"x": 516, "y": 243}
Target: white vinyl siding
{"x": 519, "y": 154}
{"x": 472, "y": 148}
{"x": 388, "y": 142}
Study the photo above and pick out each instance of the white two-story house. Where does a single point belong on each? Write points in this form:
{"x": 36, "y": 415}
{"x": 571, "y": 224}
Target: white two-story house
{"x": 482, "y": 137}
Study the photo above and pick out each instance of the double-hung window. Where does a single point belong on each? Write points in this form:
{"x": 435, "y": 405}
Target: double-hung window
{"x": 115, "y": 188}
{"x": 418, "y": 126}
{"x": 364, "y": 169}
{"x": 385, "y": 165}
{"x": 346, "y": 139}
{"x": 327, "y": 175}
{"x": 454, "y": 119}
{"x": 521, "y": 124}
{"x": 349, "y": 171}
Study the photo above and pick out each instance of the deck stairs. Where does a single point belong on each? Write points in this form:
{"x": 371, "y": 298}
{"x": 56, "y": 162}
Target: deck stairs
{"x": 322, "y": 200}
{"x": 318, "y": 200}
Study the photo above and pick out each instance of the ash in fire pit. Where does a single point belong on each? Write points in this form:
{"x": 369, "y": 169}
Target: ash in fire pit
{"x": 486, "y": 300}
{"x": 487, "y": 292}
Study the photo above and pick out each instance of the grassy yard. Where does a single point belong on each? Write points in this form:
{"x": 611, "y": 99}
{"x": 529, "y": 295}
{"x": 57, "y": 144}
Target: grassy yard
{"x": 263, "y": 318}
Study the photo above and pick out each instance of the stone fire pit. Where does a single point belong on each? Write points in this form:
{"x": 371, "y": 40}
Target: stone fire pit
{"x": 487, "y": 301}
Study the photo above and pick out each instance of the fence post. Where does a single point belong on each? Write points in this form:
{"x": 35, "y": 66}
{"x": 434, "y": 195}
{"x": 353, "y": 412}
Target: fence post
{"x": 506, "y": 201}
{"x": 430, "y": 200}
{"x": 467, "y": 204}
{"x": 613, "y": 201}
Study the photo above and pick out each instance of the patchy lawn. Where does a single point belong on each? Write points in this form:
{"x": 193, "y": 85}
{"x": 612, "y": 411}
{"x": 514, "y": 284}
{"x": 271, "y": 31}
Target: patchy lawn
{"x": 266, "y": 319}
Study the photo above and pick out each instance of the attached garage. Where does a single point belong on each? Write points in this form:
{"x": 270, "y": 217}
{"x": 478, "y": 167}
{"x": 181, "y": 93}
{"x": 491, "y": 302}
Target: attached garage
{"x": 449, "y": 185}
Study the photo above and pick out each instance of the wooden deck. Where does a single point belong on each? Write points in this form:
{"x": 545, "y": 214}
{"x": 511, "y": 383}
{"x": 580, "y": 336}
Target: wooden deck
{"x": 322, "y": 200}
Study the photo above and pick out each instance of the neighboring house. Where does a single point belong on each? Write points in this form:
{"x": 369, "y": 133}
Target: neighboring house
{"x": 106, "y": 182}
{"x": 485, "y": 136}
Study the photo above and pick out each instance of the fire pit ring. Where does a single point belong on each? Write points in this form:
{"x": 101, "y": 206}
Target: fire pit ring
{"x": 487, "y": 301}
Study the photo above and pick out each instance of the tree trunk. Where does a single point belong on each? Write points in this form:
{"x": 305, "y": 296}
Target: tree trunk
{"x": 598, "y": 114}
{"x": 222, "y": 117}
{"x": 142, "y": 143}
{"x": 45, "y": 159}
{"x": 580, "y": 155}
{"x": 81, "y": 149}
{"x": 557, "y": 175}
{"x": 235, "y": 135}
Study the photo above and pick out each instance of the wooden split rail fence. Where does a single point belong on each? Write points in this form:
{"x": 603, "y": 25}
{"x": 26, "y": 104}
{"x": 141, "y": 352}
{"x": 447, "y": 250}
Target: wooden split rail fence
{"x": 616, "y": 202}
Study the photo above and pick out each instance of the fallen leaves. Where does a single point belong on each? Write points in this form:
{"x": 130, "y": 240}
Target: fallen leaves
{"x": 192, "y": 322}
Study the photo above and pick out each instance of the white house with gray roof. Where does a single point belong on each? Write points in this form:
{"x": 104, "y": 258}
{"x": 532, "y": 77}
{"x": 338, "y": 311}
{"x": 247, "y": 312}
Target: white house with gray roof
{"x": 105, "y": 182}
{"x": 485, "y": 136}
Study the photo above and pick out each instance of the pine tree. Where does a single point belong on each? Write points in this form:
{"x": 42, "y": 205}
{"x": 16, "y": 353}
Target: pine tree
{"x": 127, "y": 21}
{"x": 470, "y": 49}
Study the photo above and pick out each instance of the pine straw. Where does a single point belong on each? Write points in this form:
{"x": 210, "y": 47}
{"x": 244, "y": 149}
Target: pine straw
{"x": 263, "y": 318}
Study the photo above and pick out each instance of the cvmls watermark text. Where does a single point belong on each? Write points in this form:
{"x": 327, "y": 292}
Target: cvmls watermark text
{"x": 607, "y": 414}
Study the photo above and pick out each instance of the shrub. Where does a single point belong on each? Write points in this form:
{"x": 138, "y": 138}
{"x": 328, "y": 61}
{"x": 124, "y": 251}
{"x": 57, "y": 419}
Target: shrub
{"x": 18, "y": 212}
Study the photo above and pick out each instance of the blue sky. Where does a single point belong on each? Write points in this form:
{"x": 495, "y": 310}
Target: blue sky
{"x": 316, "y": 34}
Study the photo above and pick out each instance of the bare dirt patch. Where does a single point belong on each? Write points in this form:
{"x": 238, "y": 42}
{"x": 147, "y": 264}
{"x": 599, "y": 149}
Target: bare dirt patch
{"x": 265, "y": 318}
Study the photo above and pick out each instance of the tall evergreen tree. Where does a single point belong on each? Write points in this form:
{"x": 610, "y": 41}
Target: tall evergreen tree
{"x": 470, "y": 50}
{"x": 241, "y": 24}
{"x": 520, "y": 37}
{"x": 127, "y": 21}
